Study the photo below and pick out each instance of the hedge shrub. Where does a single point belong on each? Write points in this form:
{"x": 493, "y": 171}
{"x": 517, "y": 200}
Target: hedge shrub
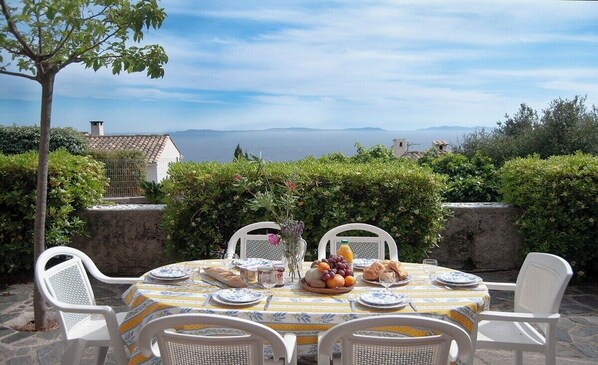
{"x": 74, "y": 182}
{"x": 205, "y": 208}
{"x": 558, "y": 198}
{"x": 20, "y": 139}
{"x": 469, "y": 180}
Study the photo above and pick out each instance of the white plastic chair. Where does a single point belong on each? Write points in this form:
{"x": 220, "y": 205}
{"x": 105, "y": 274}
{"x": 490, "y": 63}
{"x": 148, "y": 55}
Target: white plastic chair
{"x": 359, "y": 347}
{"x": 255, "y": 245}
{"x": 82, "y": 323}
{"x": 243, "y": 346}
{"x": 532, "y": 326}
{"x": 362, "y": 247}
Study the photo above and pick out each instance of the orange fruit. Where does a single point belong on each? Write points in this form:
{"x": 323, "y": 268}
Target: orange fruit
{"x": 323, "y": 266}
{"x": 335, "y": 282}
{"x": 345, "y": 251}
{"x": 350, "y": 280}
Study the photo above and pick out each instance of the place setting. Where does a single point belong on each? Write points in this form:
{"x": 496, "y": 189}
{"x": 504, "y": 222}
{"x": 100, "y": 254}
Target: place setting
{"x": 238, "y": 296}
{"x": 458, "y": 280}
{"x": 383, "y": 299}
{"x": 168, "y": 275}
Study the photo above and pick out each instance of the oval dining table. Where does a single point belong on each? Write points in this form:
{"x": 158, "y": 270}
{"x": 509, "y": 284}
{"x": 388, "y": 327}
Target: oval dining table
{"x": 292, "y": 309}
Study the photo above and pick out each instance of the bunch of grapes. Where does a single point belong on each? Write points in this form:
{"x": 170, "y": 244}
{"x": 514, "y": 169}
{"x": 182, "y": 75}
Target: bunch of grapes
{"x": 338, "y": 265}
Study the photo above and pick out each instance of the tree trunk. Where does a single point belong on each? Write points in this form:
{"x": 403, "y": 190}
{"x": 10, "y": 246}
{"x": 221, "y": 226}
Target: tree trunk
{"x": 47, "y": 82}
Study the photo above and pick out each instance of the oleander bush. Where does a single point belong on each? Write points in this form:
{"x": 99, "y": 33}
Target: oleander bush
{"x": 558, "y": 198}
{"x": 205, "y": 207}
{"x": 74, "y": 183}
{"x": 20, "y": 139}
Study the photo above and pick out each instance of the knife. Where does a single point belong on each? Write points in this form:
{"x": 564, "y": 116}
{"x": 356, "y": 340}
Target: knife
{"x": 205, "y": 302}
{"x": 413, "y": 306}
{"x": 268, "y": 301}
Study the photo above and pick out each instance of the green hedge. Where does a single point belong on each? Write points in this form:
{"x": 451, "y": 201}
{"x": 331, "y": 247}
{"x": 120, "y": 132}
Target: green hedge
{"x": 205, "y": 208}
{"x": 74, "y": 182}
{"x": 20, "y": 139}
{"x": 558, "y": 198}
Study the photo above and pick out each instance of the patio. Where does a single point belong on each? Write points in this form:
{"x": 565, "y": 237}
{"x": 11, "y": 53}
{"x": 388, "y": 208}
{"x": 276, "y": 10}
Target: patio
{"x": 577, "y": 331}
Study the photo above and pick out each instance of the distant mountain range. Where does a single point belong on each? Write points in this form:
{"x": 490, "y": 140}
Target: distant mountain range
{"x": 300, "y": 129}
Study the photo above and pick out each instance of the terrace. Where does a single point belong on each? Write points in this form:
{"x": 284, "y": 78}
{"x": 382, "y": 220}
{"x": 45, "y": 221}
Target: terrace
{"x": 577, "y": 330}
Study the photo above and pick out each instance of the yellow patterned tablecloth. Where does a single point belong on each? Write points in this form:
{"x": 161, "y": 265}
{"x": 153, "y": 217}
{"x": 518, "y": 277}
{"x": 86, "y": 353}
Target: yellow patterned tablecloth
{"x": 293, "y": 309}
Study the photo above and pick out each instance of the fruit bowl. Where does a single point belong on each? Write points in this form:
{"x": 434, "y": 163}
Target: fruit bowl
{"x": 344, "y": 289}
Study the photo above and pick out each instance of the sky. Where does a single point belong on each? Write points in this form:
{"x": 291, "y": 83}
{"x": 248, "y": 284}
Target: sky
{"x": 395, "y": 65}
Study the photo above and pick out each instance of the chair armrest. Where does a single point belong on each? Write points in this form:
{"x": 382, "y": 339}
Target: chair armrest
{"x": 113, "y": 280}
{"x": 518, "y": 317}
{"x": 290, "y": 342}
{"x": 500, "y": 286}
{"x": 82, "y": 308}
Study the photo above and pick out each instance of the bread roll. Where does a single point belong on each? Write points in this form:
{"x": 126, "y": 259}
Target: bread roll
{"x": 398, "y": 268}
{"x": 225, "y": 276}
{"x": 373, "y": 271}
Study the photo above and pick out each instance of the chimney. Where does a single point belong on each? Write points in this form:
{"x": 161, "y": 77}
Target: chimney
{"x": 97, "y": 127}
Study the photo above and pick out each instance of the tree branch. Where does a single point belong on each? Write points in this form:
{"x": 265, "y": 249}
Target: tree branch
{"x": 74, "y": 57}
{"x": 13, "y": 29}
{"x": 18, "y": 74}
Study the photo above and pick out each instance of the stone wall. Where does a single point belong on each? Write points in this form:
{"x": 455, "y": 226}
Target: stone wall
{"x": 127, "y": 239}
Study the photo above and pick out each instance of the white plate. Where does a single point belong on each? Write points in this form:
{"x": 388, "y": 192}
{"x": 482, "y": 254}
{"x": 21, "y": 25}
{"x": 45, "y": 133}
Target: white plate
{"x": 394, "y": 306}
{"x": 396, "y": 283}
{"x": 252, "y": 261}
{"x": 168, "y": 273}
{"x": 219, "y": 300}
{"x": 239, "y": 295}
{"x": 362, "y": 263}
{"x": 458, "y": 278}
{"x": 383, "y": 298}
{"x": 166, "y": 280}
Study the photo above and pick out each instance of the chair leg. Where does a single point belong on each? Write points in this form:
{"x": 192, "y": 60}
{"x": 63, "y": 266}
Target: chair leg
{"x": 519, "y": 357}
{"x": 101, "y": 355}
{"x": 73, "y": 352}
{"x": 120, "y": 355}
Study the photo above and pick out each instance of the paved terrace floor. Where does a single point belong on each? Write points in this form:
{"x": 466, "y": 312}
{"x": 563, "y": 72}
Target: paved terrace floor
{"x": 577, "y": 331}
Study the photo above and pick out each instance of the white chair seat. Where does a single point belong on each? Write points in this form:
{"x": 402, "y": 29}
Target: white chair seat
{"x": 516, "y": 334}
{"x": 94, "y": 330}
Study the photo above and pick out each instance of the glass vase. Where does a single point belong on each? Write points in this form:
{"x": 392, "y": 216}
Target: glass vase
{"x": 293, "y": 253}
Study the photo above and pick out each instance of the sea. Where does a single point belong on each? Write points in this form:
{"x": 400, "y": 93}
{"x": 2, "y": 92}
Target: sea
{"x": 290, "y": 144}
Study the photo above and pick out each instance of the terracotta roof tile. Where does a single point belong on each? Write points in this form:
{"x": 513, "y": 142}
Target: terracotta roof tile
{"x": 151, "y": 145}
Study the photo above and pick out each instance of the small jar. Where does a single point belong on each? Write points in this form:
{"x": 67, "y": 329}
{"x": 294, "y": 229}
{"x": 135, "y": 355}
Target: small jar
{"x": 279, "y": 268}
{"x": 249, "y": 275}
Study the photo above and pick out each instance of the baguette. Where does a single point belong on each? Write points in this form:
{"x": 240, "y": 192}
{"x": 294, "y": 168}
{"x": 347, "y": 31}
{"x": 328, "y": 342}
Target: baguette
{"x": 227, "y": 277}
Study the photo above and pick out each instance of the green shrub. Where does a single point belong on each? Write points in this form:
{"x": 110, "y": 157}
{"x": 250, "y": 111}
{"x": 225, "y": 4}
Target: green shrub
{"x": 153, "y": 193}
{"x": 126, "y": 170}
{"x": 468, "y": 180}
{"x": 205, "y": 208}
{"x": 376, "y": 153}
{"x": 74, "y": 182}
{"x": 20, "y": 139}
{"x": 558, "y": 198}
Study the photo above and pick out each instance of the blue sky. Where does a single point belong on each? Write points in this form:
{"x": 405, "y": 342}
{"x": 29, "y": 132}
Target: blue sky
{"x": 397, "y": 65}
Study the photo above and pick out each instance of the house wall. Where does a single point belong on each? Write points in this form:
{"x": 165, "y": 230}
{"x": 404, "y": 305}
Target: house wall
{"x": 169, "y": 154}
{"x": 127, "y": 239}
{"x": 151, "y": 172}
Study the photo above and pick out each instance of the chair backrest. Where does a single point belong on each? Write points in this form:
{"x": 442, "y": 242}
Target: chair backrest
{"x": 66, "y": 282}
{"x": 366, "y": 347}
{"x": 541, "y": 283}
{"x": 215, "y": 345}
{"x": 255, "y": 245}
{"x": 362, "y": 247}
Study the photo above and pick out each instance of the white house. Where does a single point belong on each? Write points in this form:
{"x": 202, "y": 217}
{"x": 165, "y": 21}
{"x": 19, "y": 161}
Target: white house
{"x": 400, "y": 148}
{"x": 159, "y": 149}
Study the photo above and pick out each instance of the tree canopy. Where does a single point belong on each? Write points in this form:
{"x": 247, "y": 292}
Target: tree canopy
{"x": 565, "y": 127}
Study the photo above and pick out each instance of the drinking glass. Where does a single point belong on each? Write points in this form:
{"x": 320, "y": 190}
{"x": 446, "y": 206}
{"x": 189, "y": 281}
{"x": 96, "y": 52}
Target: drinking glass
{"x": 387, "y": 278}
{"x": 268, "y": 280}
{"x": 229, "y": 260}
{"x": 430, "y": 267}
